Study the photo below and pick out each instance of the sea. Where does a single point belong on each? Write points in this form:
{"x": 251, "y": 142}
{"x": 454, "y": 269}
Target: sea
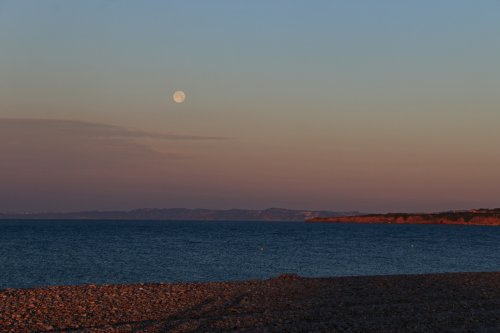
{"x": 45, "y": 253}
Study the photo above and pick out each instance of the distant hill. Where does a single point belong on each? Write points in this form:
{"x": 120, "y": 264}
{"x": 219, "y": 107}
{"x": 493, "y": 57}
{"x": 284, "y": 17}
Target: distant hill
{"x": 271, "y": 214}
{"x": 468, "y": 217}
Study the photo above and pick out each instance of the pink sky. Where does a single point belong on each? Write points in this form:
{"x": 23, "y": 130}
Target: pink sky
{"x": 72, "y": 165}
{"x": 370, "y": 106}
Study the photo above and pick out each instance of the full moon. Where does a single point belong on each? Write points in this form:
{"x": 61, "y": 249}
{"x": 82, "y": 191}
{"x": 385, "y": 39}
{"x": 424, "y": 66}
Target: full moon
{"x": 179, "y": 96}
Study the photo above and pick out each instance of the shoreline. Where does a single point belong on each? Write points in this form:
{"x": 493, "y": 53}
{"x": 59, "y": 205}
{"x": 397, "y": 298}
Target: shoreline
{"x": 372, "y": 221}
{"x": 473, "y": 217}
{"x": 459, "y": 302}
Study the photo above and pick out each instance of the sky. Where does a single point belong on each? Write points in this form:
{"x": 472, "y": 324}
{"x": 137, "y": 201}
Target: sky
{"x": 376, "y": 106}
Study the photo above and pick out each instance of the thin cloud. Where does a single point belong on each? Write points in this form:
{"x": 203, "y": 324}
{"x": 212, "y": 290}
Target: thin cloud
{"x": 78, "y": 128}
{"x": 64, "y": 163}
{"x": 44, "y": 148}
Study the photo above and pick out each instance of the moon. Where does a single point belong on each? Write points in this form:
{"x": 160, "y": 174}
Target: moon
{"x": 179, "y": 96}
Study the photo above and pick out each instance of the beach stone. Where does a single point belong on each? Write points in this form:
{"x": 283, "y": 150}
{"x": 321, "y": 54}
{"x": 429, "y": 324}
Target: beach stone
{"x": 459, "y": 302}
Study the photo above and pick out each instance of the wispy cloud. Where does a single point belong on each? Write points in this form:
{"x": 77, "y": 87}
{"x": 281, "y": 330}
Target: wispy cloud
{"x": 73, "y": 164}
{"x": 79, "y": 128}
{"x": 51, "y": 150}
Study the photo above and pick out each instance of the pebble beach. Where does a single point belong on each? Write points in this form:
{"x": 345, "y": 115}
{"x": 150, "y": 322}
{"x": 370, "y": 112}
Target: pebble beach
{"x": 459, "y": 302}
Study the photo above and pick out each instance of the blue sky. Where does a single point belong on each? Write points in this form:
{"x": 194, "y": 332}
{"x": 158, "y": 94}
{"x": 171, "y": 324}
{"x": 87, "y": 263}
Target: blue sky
{"x": 350, "y": 84}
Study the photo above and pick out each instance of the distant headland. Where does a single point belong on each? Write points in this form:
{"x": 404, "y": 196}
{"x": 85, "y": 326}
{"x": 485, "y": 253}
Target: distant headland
{"x": 468, "y": 217}
{"x": 270, "y": 214}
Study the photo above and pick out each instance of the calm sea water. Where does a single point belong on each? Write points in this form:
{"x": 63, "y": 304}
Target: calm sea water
{"x": 41, "y": 253}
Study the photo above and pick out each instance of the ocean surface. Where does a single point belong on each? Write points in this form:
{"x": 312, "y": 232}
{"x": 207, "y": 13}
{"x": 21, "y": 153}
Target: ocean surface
{"x": 43, "y": 253}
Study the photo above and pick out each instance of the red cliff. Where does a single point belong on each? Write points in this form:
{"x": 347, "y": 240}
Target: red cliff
{"x": 470, "y": 217}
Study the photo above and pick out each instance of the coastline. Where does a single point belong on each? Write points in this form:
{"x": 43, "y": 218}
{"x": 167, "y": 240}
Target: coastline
{"x": 474, "y": 217}
{"x": 459, "y": 302}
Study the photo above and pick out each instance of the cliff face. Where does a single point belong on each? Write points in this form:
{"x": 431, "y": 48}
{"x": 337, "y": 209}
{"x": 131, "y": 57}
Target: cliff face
{"x": 471, "y": 217}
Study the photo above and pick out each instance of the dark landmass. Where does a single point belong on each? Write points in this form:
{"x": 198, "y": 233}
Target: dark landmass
{"x": 470, "y": 217}
{"x": 271, "y": 214}
{"x": 460, "y": 302}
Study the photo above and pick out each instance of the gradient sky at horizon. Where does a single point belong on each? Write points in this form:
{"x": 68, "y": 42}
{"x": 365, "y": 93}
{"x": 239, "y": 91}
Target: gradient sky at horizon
{"x": 345, "y": 105}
